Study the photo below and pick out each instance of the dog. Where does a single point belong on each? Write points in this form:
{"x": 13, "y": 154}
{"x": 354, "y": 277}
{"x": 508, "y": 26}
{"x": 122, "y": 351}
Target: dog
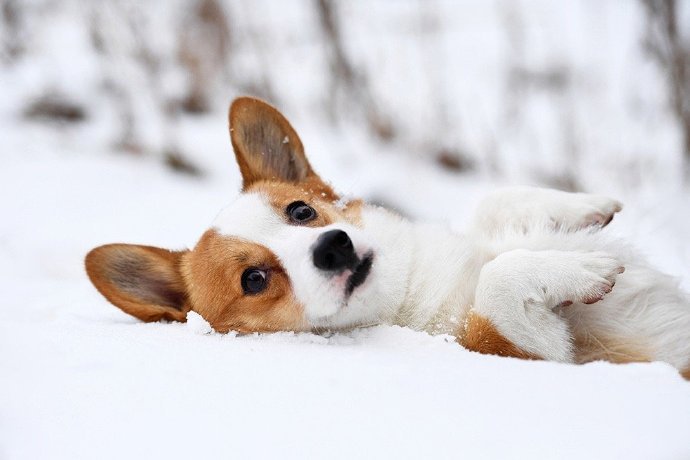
{"x": 532, "y": 278}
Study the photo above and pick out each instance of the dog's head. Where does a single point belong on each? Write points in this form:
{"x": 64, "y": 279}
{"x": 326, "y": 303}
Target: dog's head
{"x": 287, "y": 255}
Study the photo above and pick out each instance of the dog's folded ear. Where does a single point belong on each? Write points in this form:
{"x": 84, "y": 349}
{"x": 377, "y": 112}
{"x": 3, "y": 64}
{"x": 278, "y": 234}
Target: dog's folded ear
{"x": 266, "y": 145}
{"x": 143, "y": 281}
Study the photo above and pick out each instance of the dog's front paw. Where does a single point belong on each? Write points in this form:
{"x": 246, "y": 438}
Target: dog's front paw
{"x": 595, "y": 275}
{"x": 592, "y": 211}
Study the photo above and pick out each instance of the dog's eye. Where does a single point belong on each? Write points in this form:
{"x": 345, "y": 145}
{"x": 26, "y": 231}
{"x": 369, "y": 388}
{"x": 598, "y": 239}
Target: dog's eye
{"x": 300, "y": 212}
{"x": 253, "y": 280}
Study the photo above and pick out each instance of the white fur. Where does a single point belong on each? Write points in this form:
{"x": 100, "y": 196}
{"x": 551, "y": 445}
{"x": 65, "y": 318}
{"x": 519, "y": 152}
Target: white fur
{"x": 527, "y": 208}
{"x": 528, "y": 251}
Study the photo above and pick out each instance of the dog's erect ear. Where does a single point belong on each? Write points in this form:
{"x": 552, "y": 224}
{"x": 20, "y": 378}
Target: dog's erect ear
{"x": 143, "y": 281}
{"x": 266, "y": 145}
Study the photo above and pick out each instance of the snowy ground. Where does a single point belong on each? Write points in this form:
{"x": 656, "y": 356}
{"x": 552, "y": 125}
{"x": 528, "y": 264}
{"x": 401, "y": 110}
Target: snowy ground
{"x": 82, "y": 380}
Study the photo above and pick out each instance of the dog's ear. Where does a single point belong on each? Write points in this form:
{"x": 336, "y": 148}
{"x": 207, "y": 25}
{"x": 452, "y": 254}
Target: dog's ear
{"x": 143, "y": 281}
{"x": 266, "y": 145}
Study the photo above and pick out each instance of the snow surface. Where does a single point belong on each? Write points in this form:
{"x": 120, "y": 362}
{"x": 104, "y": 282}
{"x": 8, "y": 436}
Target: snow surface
{"x": 80, "y": 380}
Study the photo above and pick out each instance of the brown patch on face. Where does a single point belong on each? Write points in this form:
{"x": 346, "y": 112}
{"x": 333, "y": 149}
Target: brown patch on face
{"x": 481, "y": 335}
{"x": 213, "y": 272}
{"x": 314, "y": 193}
{"x": 686, "y": 374}
{"x": 593, "y": 347}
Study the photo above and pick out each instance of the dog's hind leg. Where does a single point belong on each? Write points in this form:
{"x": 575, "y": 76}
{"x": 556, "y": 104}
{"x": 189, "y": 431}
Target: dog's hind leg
{"x": 525, "y": 208}
{"x": 517, "y": 293}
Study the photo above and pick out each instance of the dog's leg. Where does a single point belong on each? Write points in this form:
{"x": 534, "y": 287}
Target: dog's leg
{"x": 517, "y": 293}
{"x": 525, "y": 208}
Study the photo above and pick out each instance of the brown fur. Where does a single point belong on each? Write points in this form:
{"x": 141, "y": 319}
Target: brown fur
{"x": 212, "y": 272}
{"x": 480, "y": 335}
{"x": 686, "y": 374}
{"x": 594, "y": 347}
{"x": 282, "y": 193}
{"x": 313, "y": 192}
{"x": 143, "y": 281}
{"x": 266, "y": 145}
{"x": 152, "y": 284}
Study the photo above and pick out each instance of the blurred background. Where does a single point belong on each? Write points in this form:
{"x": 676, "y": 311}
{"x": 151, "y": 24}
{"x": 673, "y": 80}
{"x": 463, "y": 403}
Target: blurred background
{"x": 113, "y": 114}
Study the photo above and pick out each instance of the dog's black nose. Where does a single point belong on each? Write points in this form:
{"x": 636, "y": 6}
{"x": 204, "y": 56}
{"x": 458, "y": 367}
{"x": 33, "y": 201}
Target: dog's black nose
{"x": 334, "y": 251}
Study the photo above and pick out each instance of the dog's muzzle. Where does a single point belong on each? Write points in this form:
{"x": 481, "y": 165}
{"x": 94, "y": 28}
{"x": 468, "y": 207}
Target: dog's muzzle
{"x": 334, "y": 253}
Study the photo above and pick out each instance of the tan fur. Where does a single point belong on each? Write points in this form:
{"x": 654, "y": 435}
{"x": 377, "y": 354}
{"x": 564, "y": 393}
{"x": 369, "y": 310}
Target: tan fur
{"x": 480, "y": 335}
{"x": 352, "y": 212}
{"x": 143, "y": 281}
{"x": 212, "y": 272}
{"x": 594, "y": 347}
{"x": 313, "y": 192}
{"x": 686, "y": 374}
{"x": 281, "y": 193}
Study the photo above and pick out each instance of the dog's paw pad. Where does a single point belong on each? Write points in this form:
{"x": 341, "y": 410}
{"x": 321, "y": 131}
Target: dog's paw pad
{"x": 565, "y": 303}
{"x": 599, "y": 275}
{"x": 601, "y": 211}
{"x": 597, "y": 219}
{"x": 602, "y": 290}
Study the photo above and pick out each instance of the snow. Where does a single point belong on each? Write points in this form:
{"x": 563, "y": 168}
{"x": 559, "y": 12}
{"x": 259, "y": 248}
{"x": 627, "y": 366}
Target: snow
{"x": 197, "y": 324}
{"x": 162, "y": 391}
{"x": 79, "y": 379}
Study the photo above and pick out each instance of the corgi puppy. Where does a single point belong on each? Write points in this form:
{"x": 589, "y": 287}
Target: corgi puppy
{"x": 532, "y": 278}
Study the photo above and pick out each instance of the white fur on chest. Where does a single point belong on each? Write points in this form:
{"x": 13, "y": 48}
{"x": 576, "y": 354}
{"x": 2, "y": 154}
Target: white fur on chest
{"x": 444, "y": 268}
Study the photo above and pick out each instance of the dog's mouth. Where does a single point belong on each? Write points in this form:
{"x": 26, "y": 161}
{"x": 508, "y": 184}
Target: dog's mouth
{"x": 359, "y": 273}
